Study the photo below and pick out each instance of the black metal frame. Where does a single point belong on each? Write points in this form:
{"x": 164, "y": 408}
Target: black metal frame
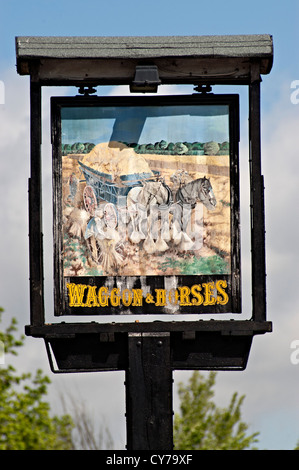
{"x": 149, "y": 351}
{"x": 233, "y": 279}
{"x": 256, "y": 325}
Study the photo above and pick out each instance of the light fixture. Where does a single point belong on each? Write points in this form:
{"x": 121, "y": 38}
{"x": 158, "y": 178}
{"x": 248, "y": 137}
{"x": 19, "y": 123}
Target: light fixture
{"x": 146, "y": 79}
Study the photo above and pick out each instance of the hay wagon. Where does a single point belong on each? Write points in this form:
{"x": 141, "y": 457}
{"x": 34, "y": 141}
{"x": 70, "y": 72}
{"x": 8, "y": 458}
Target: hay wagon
{"x": 102, "y": 187}
{"x": 104, "y": 191}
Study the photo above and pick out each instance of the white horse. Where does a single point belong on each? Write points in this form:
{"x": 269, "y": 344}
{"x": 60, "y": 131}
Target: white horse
{"x": 154, "y": 216}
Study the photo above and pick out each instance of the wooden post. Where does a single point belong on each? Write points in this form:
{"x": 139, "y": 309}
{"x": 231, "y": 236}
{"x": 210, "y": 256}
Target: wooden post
{"x": 257, "y": 200}
{"x": 149, "y": 392}
{"x": 35, "y": 209}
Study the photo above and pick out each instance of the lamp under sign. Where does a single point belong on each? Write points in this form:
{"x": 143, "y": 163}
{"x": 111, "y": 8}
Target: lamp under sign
{"x": 146, "y": 79}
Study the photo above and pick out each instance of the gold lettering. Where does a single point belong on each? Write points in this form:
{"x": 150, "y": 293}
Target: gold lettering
{"x": 149, "y": 299}
{"x": 220, "y": 286}
{"x": 137, "y": 298}
{"x": 115, "y": 297}
{"x": 173, "y": 296}
{"x": 208, "y": 293}
{"x": 102, "y": 296}
{"x": 76, "y": 294}
{"x": 160, "y": 297}
{"x": 184, "y": 296}
{"x": 92, "y": 299}
{"x": 210, "y": 298}
{"x": 127, "y": 297}
{"x": 195, "y": 292}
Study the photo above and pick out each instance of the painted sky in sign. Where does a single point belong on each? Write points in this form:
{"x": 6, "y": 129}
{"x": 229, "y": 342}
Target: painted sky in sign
{"x": 145, "y": 125}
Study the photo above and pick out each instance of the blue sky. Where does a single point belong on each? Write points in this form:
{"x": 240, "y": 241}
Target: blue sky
{"x": 271, "y": 381}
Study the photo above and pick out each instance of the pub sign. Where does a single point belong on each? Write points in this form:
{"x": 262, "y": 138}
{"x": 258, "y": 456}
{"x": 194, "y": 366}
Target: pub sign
{"x": 146, "y": 204}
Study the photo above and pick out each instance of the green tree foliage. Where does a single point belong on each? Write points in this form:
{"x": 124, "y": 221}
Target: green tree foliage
{"x": 201, "y": 425}
{"x": 25, "y": 421}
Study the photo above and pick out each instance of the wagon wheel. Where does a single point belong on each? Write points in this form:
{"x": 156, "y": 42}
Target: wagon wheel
{"x": 110, "y": 215}
{"x": 90, "y": 200}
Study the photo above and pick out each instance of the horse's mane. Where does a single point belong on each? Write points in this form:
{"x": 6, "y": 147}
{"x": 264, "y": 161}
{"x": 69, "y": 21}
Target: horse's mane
{"x": 194, "y": 184}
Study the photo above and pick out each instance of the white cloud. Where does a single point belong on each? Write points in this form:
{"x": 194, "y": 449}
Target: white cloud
{"x": 270, "y": 381}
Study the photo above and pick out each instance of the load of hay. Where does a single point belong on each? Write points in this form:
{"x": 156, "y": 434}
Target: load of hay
{"x": 116, "y": 159}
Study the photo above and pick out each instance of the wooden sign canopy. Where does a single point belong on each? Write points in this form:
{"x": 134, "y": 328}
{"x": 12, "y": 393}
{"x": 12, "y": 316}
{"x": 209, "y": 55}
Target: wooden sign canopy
{"x": 203, "y": 61}
{"x": 113, "y": 60}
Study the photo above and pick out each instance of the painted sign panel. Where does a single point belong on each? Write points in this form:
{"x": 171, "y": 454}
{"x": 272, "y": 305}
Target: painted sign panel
{"x": 146, "y": 206}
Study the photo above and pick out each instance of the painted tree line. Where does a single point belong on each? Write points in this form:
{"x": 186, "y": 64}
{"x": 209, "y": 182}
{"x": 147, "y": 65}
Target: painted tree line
{"x": 158, "y": 148}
